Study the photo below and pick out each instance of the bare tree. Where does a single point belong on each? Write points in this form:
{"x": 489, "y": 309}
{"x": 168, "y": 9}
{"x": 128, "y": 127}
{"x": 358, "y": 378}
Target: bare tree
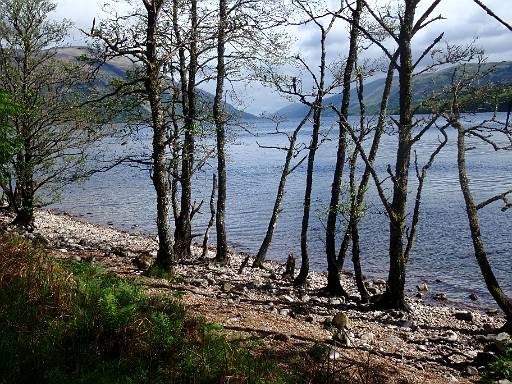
{"x": 138, "y": 36}
{"x": 333, "y": 278}
{"x": 496, "y": 135}
{"x": 292, "y": 151}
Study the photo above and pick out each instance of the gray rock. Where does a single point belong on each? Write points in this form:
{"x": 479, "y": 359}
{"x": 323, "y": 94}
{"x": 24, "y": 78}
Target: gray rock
{"x": 473, "y": 296}
{"x": 423, "y": 348}
{"x": 423, "y": 287}
{"x": 334, "y": 355}
{"x": 77, "y": 258}
{"x": 472, "y": 370}
{"x": 464, "y": 316}
{"x": 504, "y": 381}
{"x": 284, "y": 312}
{"x": 336, "y": 301}
{"x": 379, "y": 282}
{"x": 367, "y": 338}
{"x": 450, "y": 336}
{"x": 491, "y": 311}
{"x": 404, "y": 323}
{"x": 440, "y": 297}
{"x": 306, "y": 299}
{"x": 288, "y": 299}
{"x": 394, "y": 340}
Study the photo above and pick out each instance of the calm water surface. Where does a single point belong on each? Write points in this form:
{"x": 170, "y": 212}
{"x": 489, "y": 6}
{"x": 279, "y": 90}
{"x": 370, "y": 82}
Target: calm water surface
{"x": 442, "y": 254}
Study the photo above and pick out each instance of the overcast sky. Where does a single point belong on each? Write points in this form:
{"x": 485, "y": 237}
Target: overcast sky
{"x": 464, "y": 22}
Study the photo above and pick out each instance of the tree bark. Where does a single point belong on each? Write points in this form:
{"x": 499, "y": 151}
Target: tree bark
{"x": 394, "y": 296}
{"x": 218, "y": 115}
{"x": 262, "y": 252}
{"x": 503, "y": 301}
{"x": 333, "y": 279}
{"x": 183, "y": 232}
{"x": 160, "y": 172}
{"x": 212, "y": 218}
{"x": 379, "y": 130}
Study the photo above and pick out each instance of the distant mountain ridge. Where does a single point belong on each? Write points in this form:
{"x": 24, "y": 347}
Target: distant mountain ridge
{"x": 118, "y": 67}
{"x": 424, "y": 85}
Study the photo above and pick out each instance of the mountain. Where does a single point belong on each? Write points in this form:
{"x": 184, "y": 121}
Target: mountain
{"x": 117, "y": 69}
{"x": 424, "y": 85}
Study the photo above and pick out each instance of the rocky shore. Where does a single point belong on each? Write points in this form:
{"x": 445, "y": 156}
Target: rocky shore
{"x": 435, "y": 343}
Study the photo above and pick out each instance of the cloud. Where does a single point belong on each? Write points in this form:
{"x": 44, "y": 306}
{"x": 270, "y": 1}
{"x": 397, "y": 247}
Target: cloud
{"x": 464, "y": 22}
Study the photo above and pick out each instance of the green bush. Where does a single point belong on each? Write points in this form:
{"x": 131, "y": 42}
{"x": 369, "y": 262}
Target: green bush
{"x": 501, "y": 368}
{"x": 72, "y": 322}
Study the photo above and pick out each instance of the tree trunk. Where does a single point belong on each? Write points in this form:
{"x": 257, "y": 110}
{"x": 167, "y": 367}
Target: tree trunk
{"x": 394, "y": 296}
{"x": 262, "y": 252}
{"x": 160, "y": 172}
{"x": 212, "y": 218}
{"x": 218, "y": 115}
{"x": 183, "y": 232}
{"x": 333, "y": 280}
{"x": 503, "y": 301}
{"x": 379, "y": 130}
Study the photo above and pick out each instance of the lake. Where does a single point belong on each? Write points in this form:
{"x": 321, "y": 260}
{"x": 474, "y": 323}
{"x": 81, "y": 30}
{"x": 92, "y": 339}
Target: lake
{"x": 443, "y": 255}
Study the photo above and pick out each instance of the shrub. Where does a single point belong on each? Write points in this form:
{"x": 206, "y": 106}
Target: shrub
{"x": 71, "y": 322}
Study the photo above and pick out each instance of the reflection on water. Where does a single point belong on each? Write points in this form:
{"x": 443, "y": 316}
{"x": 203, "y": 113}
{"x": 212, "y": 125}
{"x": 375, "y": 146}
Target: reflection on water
{"x": 443, "y": 251}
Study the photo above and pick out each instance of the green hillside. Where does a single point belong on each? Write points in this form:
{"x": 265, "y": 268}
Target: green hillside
{"x": 424, "y": 86}
{"x": 117, "y": 69}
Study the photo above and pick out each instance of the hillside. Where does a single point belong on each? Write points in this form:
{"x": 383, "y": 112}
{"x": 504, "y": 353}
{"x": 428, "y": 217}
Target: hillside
{"x": 118, "y": 67}
{"x": 424, "y": 85}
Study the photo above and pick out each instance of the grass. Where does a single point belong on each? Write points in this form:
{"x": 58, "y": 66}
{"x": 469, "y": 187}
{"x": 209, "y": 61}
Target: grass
{"x": 71, "y": 322}
{"x": 501, "y": 368}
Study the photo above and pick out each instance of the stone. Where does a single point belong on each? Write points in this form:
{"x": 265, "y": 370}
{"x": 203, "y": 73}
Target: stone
{"x": 334, "y": 355}
{"x": 341, "y": 321}
{"x": 337, "y": 301}
{"x": 472, "y": 370}
{"x": 367, "y": 338}
{"x": 465, "y": 316}
{"x": 450, "y": 336}
{"x": 281, "y": 337}
{"x": 372, "y": 290}
{"x": 394, "y": 340}
{"x": 142, "y": 261}
{"x": 423, "y": 348}
{"x": 306, "y": 299}
{"x": 379, "y": 282}
{"x": 440, "y": 297}
{"x": 502, "y": 342}
{"x": 473, "y": 296}
{"x": 423, "y": 287}
{"x": 288, "y": 299}
{"x": 284, "y": 312}
{"x": 403, "y": 323}
{"x": 419, "y": 295}
{"x": 504, "y": 381}
{"x": 77, "y": 258}
{"x": 227, "y": 286}
{"x": 199, "y": 282}
{"x": 491, "y": 311}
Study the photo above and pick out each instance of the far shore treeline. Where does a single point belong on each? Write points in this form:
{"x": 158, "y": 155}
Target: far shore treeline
{"x": 147, "y": 65}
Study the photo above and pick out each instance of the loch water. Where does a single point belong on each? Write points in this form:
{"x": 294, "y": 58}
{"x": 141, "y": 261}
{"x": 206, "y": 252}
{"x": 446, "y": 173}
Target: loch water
{"x": 442, "y": 255}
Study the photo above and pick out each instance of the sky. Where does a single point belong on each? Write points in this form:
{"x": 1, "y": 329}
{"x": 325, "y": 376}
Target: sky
{"x": 464, "y": 21}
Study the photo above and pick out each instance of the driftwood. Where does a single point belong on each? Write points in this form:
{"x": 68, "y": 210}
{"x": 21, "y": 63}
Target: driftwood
{"x": 212, "y": 218}
{"x": 289, "y": 273}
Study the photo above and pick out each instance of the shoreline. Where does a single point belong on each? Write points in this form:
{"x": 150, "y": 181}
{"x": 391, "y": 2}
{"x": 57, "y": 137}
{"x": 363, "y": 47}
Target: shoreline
{"x": 438, "y": 338}
{"x": 461, "y": 301}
